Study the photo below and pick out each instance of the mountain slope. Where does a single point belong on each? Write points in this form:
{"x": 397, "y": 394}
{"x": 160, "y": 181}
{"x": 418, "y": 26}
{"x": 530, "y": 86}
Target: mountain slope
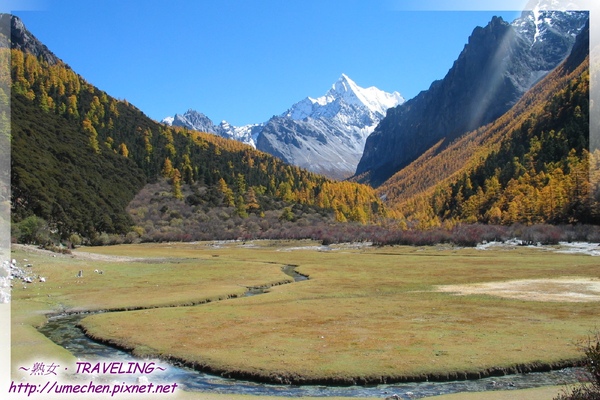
{"x": 498, "y": 64}
{"x": 80, "y": 156}
{"x": 56, "y": 176}
{"x": 325, "y": 135}
{"x": 528, "y": 166}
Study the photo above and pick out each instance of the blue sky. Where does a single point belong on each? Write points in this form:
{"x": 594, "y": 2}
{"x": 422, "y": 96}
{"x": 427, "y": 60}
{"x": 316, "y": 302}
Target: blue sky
{"x": 245, "y": 61}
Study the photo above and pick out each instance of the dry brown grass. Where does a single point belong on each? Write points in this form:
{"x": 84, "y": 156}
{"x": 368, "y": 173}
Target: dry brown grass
{"x": 365, "y": 312}
{"x": 368, "y": 313}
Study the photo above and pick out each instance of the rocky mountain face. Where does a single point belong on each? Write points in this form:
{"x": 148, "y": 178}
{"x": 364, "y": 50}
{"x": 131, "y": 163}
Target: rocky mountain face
{"x": 21, "y": 39}
{"x": 497, "y": 66}
{"x": 325, "y": 135}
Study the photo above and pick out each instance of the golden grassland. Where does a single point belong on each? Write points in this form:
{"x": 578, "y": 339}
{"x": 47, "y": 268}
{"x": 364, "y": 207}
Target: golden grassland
{"x": 365, "y": 313}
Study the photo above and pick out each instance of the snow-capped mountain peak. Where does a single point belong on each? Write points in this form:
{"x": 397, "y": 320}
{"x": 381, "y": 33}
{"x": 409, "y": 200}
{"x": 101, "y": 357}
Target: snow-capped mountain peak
{"x": 345, "y": 87}
{"x": 347, "y": 91}
{"x": 373, "y": 98}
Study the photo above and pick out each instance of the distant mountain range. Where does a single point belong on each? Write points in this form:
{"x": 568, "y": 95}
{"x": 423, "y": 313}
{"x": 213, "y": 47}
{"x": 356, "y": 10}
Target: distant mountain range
{"x": 325, "y": 135}
{"x": 197, "y": 121}
{"x": 497, "y": 66}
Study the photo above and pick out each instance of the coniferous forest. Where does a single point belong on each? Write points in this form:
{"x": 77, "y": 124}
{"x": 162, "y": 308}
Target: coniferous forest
{"x": 79, "y": 157}
{"x": 533, "y": 165}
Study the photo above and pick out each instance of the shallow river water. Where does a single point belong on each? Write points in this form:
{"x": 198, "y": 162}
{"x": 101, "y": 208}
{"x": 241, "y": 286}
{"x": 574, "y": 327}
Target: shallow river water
{"x": 63, "y": 330}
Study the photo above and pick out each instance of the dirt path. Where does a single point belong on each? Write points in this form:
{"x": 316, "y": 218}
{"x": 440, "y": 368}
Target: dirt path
{"x": 88, "y": 256}
{"x": 113, "y": 258}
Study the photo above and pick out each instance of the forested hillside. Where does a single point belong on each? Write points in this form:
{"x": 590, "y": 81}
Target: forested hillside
{"x": 80, "y": 156}
{"x": 540, "y": 175}
{"x": 532, "y": 165}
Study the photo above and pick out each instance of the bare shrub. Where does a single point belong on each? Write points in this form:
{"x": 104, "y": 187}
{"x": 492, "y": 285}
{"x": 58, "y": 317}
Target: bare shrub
{"x": 159, "y": 216}
{"x": 468, "y": 235}
{"x": 589, "y": 388}
{"x": 542, "y": 234}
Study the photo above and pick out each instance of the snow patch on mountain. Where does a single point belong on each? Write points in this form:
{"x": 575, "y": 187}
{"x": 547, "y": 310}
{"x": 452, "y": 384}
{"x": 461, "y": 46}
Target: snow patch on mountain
{"x": 536, "y": 22}
{"x": 548, "y": 19}
{"x": 245, "y": 134}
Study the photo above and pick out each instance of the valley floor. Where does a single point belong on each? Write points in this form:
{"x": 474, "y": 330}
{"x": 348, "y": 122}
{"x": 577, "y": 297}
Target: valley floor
{"x": 365, "y": 315}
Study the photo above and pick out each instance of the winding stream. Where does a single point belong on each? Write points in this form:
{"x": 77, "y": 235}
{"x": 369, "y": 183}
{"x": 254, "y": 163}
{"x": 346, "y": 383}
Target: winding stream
{"x": 63, "y": 331}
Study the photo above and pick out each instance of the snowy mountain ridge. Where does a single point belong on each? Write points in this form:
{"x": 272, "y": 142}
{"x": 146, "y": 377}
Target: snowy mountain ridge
{"x": 499, "y": 63}
{"x": 326, "y": 134}
{"x": 197, "y": 121}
